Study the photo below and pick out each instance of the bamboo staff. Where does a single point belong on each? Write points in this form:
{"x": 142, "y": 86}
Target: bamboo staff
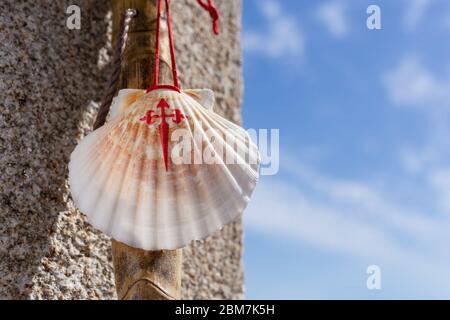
{"x": 139, "y": 274}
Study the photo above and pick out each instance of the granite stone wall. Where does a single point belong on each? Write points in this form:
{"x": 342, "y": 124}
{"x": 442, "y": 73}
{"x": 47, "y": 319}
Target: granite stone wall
{"x": 51, "y": 81}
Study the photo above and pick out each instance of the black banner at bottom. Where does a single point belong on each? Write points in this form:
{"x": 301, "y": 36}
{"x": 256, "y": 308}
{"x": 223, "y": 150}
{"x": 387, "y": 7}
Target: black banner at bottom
{"x": 246, "y": 309}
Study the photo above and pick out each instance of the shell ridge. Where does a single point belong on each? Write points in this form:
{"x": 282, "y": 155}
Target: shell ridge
{"x": 205, "y": 97}
{"x": 155, "y": 201}
{"x": 187, "y": 186}
{"x": 88, "y": 182}
{"x": 239, "y": 158}
{"x": 100, "y": 136}
{"x": 108, "y": 167}
{"x": 247, "y": 192}
{"x": 82, "y": 160}
{"x": 221, "y": 162}
{"x": 208, "y": 168}
{"x": 206, "y": 191}
{"x": 119, "y": 198}
{"x": 138, "y": 214}
{"x": 177, "y": 205}
{"x": 103, "y": 195}
{"x": 241, "y": 135}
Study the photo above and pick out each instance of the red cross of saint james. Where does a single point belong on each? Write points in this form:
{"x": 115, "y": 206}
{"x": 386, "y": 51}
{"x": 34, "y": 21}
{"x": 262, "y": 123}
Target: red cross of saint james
{"x": 164, "y": 126}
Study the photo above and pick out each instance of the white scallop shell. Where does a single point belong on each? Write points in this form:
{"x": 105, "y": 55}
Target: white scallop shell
{"x": 118, "y": 177}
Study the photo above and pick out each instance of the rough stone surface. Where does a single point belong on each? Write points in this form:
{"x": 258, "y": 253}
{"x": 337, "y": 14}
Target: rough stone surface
{"x": 51, "y": 80}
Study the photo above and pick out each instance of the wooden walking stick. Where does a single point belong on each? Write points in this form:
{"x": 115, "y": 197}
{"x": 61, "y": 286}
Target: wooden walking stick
{"x": 144, "y": 275}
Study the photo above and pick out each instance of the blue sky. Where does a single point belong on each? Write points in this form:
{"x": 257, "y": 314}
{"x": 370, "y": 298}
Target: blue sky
{"x": 364, "y": 119}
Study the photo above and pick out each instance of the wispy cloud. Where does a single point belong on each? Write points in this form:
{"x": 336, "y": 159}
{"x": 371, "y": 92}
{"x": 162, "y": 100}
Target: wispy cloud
{"x": 412, "y": 84}
{"x": 415, "y": 11}
{"x": 355, "y": 219}
{"x": 416, "y": 159}
{"x": 332, "y": 15}
{"x": 440, "y": 181}
{"x": 281, "y": 37}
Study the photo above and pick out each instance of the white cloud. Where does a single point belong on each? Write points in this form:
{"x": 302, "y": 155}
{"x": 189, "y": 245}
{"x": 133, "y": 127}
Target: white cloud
{"x": 415, "y": 160}
{"x": 354, "y": 219}
{"x": 361, "y": 200}
{"x": 283, "y": 210}
{"x": 412, "y": 84}
{"x": 414, "y": 13}
{"x": 281, "y": 38}
{"x": 332, "y": 15}
{"x": 440, "y": 181}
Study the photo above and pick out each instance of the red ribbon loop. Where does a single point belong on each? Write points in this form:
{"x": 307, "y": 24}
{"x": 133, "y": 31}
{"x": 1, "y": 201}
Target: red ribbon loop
{"x": 156, "y": 84}
{"x": 213, "y": 12}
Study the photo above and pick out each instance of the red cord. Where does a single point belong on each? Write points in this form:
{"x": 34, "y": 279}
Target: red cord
{"x": 157, "y": 50}
{"x": 158, "y": 27}
{"x": 172, "y": 48}
{"x": 213, "y": 12}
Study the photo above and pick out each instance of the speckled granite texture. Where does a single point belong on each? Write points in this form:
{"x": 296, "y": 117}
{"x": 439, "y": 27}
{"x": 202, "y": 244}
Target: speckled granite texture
{"x": 51, "y": 81}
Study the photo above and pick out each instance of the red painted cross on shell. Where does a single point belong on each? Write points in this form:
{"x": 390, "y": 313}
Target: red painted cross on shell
{"x": 164, "y": 126}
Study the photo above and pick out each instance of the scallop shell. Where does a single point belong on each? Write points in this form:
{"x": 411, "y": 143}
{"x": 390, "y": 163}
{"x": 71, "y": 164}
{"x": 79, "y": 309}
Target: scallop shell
{"x": 119, "y": 179}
